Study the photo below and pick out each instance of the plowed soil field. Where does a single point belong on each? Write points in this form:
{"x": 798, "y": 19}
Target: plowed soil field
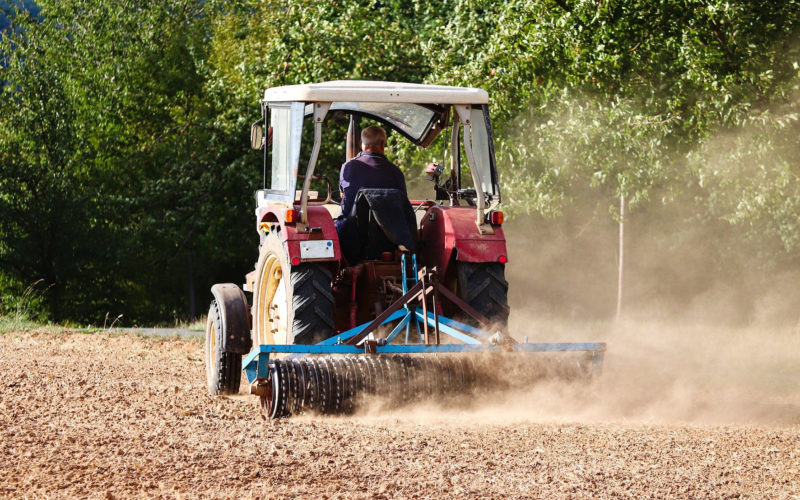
{"x": 119, "y": 416}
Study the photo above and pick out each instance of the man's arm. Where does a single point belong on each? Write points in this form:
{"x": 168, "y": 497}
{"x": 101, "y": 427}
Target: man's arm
{"x": 344, "y": 183}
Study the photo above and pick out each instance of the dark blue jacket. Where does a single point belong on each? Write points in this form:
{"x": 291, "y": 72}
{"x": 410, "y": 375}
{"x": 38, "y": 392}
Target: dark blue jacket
{"x": 368, "y": 170}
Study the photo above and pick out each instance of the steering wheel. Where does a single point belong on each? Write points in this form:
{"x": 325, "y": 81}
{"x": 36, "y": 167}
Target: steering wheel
{"x": 428, "y": 203}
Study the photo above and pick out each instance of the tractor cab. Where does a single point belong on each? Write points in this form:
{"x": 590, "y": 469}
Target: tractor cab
{"x": 419, "y": 113}
{"x": 311, "y": 282}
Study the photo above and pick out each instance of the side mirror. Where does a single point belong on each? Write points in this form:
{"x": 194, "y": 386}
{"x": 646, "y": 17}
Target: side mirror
{"x": 257, "y": 136}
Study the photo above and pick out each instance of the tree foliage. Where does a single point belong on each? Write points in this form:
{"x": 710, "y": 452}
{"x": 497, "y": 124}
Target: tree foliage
{"x": 116, "y": 180}
{"x": 125, "y": 181}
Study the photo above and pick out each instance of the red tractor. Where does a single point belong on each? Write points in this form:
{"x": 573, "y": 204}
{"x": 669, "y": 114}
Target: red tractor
{"x": 305, "y": 292}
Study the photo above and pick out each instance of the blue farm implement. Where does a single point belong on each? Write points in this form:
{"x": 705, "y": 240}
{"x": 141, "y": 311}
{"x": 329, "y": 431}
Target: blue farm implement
{"x": 399, "y": 357}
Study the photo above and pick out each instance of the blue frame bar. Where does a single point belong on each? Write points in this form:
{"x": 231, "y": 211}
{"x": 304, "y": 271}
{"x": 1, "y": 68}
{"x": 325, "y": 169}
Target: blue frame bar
{"x": 421, "y": 348}
{"x": 400, "y": 326}
{"x": 444, "y": 328}
{"x": 256, "y": 364}
{"x": 470, "y": 330}
{"x": 355, "y": 331}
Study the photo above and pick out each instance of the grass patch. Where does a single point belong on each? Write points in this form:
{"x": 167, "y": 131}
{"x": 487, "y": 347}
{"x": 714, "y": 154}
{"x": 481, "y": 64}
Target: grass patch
{"x": 199, "y": 325}
{"x": 19, "y": 312}
{"x": 13, "y": 323}
{"x": 155, "y": 338}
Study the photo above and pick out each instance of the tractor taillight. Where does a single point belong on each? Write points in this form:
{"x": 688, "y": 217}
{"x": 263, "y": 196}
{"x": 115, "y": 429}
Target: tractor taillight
{"x": 291, "y": 216}
{"x": 295, "y": 261}
{"x": 496, "y": 217}
{"x": 502, "y": 259}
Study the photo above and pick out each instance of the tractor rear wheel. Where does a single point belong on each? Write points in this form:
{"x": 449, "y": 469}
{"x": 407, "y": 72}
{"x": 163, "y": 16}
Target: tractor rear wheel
{"x": 483, "y": 286}
{"x": 291, "y": 304}
{"x": 223, "y": 369}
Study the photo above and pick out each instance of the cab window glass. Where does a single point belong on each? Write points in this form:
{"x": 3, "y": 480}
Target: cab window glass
{"x": 411, "y": 119}
{"x": 480, "y": 148}
{"x": 280, "y": 123}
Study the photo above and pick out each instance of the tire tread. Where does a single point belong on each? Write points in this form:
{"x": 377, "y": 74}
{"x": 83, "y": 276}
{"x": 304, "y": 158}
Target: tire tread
{"x": 484, "y": 287}
{"x": 228, "y": 375}
{"x": 312, "y": 301}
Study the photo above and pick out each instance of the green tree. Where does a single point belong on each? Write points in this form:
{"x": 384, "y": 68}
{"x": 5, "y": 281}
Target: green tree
{"x": 126, "y": 182}
{"x": 114, "y": 173}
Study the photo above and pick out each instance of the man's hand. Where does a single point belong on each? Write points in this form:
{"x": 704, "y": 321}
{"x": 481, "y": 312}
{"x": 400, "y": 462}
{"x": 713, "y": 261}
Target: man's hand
{"x": 433, "y": 170}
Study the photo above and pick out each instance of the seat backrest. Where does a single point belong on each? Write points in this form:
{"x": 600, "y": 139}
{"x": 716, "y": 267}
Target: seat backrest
{"x": 385, "y": 220}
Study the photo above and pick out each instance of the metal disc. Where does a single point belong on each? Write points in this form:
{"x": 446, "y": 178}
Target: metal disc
{"x": 402, "y": 371}
{"x": 267, "y": 402}
{"x": 313, "y": 385}
{"x": 291, "y": 388}
{"x": 390, "y": 392}
{"x": 337, "y": 384}
{"x": 458, "y": 363}
{"x": 283, "y": 399}
{"x": 374, "y": 375}
{"x": 350, "y": 376}
{"x": 324, "y": 386}
{"x": 414, "y": 381}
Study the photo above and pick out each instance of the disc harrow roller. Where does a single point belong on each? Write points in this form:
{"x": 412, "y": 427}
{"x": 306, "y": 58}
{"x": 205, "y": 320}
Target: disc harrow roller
{"x": 335, "y": 385}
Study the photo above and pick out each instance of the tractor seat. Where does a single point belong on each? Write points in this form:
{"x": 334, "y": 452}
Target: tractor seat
{"x": 385, "y": 222}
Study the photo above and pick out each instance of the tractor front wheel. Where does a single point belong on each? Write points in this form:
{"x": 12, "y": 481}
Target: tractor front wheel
{"x": 483, "y": 286}
{"x": 291, "y": 304}
{"x": 223, "y": 369}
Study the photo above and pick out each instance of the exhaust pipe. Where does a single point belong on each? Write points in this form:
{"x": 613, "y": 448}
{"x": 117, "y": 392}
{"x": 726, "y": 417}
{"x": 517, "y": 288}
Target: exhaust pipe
{"x": 353, "y": 139}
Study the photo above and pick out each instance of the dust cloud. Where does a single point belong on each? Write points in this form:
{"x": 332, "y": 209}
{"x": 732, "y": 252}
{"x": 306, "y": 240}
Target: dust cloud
{"x": 708, "y": 334}
{"x": 695, "y": 344}
{"x": 653, "y": 373}
{"x": 672, "y": 373}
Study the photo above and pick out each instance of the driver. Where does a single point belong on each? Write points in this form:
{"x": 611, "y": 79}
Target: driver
{"x": 368, "y": 169}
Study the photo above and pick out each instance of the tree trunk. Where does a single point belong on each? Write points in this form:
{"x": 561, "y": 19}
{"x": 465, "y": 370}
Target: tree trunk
{"x": 621, "y": 254}
{"x": 192, "y": 309}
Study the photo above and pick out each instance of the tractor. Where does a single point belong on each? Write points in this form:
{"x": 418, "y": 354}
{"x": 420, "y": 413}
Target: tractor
{"x": 323, "y": 323}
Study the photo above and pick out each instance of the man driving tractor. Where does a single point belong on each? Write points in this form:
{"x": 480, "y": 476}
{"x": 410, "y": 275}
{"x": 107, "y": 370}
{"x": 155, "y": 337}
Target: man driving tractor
{"x": 381, "y": 184}
{"x": 369, "y": 169}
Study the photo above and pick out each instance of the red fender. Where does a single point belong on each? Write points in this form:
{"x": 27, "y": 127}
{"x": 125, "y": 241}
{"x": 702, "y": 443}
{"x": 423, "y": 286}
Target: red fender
{"x": 448, "y": 230}
{"x": 318, "y": 217}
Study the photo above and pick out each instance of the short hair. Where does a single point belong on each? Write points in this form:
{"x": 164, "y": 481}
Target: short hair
{"x": 373, "y": 136}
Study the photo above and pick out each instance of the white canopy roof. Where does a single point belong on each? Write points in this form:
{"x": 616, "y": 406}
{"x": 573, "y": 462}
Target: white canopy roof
{"x": 369, "y": 91}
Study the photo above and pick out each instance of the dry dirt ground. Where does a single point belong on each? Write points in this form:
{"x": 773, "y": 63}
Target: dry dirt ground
{"x": 119, "y": 416}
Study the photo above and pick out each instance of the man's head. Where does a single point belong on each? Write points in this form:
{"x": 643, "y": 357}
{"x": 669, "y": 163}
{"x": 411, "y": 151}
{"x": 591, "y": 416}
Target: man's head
{"x": 373, "y": 138}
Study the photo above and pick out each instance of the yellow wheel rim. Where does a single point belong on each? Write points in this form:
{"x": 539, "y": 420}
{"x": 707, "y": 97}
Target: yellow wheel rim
{"x": 211, "y": 344}
{"x": 271, "y": 318}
